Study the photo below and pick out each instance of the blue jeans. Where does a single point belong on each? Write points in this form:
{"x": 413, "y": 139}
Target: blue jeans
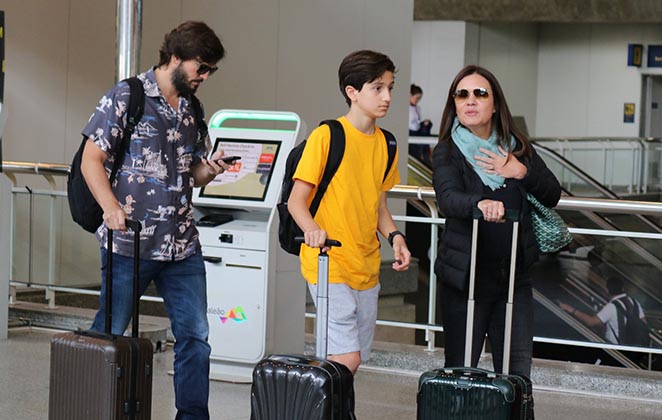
{"x": 182, "y": 284}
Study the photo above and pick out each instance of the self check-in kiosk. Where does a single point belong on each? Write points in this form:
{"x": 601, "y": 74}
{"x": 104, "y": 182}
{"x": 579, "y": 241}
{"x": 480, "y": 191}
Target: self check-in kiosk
{"x": 255, "y": 294}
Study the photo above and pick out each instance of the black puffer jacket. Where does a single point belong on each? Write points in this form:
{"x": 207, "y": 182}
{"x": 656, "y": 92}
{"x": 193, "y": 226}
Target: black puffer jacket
{"x": 459, "y": 189}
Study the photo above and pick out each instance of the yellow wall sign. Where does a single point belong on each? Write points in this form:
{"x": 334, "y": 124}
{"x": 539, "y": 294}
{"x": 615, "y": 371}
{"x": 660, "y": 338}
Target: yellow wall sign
{"x": 628, "y": 112}
{"x": 635, "y": 53}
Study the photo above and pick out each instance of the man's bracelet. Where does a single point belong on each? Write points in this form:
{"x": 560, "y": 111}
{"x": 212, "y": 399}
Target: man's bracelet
{"x": 392, "y": 236}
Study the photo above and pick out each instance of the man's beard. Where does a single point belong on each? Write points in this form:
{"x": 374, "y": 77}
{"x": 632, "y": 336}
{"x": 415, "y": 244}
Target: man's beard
{"x": 181, "y": 83}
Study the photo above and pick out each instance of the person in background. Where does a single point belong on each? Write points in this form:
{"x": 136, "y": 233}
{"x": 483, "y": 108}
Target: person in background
{"x": 353, "y": 208}
{"x": 482, "y": 161}
{"x": 418, "y": 126}
{"x": 608, "y": 318}
{"x": 165, "y": 159}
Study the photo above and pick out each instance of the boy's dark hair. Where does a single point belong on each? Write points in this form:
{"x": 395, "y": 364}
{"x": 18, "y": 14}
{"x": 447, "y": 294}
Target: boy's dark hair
{"x": 362, "y": 67}
{"x": 189, "y": 41}
{"x": 614, "y": 285}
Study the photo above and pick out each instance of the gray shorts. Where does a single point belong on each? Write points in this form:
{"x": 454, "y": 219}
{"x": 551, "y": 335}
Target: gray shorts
{"x": 352, "y": 317}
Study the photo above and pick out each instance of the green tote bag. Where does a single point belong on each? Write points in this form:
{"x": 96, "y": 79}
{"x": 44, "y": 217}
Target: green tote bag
{"x": 551, "y": 232}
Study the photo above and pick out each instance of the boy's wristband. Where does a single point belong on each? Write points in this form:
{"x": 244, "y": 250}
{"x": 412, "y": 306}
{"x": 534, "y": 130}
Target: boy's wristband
{"x": 392, "y": 236}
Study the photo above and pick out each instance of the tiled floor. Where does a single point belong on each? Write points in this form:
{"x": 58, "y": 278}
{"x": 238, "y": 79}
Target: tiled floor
{"x": 381, "y": 395}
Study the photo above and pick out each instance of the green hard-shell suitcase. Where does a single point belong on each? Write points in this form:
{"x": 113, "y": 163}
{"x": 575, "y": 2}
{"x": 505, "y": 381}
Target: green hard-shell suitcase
{"x": 466, "y": 393}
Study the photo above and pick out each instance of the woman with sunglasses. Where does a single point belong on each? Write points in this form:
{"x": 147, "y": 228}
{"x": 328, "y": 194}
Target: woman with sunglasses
{"x": 484, "y": 161}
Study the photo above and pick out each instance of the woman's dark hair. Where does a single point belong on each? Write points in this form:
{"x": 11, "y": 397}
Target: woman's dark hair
{"x": 502, "y": 120}
{"x": 362, "y": 67}
{"x": 189, "y": 41}
{"x": 415, "y": 90}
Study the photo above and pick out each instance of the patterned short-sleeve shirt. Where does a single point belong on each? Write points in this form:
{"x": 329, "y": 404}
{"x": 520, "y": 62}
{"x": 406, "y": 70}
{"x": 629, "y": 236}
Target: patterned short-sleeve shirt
{"x": 154, "y": 184}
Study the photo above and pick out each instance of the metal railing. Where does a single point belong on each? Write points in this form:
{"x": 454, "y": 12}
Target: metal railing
{"x": 425, "y": 195}
{"x": 623, "y": 164}
{"x": 631, "y": 164}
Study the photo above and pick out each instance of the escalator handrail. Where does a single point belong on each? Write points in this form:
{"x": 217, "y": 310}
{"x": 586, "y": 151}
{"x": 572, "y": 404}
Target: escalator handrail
{"x": 591, "y": 181}
{"x": 566, "y": 164}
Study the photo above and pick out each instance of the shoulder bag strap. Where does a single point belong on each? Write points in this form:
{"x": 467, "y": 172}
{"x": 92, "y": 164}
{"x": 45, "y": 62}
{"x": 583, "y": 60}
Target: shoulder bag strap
{"x": 392, "y": 146}
{"x": 134, "y": 115}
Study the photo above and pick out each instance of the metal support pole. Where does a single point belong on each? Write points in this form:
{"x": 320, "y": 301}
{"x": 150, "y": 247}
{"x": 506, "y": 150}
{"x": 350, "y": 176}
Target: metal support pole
{"x": 129, "y": 37}
{"x": 50, "y": 298}
{"x": 432, "y": 298}
{"x": 5, "y": 246}
{"x": 51, "y": 236}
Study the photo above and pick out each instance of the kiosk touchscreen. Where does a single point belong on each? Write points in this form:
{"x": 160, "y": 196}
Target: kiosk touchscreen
{"x": 249, "y": 178}
{"x": 255, "y": 296}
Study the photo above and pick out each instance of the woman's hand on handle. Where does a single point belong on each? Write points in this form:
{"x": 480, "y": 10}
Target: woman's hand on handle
{"x": 493, "y": 211}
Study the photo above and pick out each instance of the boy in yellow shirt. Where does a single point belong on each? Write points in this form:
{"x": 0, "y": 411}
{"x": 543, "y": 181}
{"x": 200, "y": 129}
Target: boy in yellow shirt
{"x": 353, "y": 207}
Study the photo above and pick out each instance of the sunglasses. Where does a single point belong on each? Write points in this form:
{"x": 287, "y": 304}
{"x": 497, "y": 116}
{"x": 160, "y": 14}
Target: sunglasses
{"x": 205, "y": 68}
{"x": 480, "y": 93}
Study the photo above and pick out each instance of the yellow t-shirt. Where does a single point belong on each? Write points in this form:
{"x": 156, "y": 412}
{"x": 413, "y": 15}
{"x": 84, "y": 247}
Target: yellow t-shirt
{"x": 348, "y": 211}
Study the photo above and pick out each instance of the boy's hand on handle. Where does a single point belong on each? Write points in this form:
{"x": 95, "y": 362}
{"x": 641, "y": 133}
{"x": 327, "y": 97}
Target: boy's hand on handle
{"x": 328, "y": 243}
{"x": 401, "y": 254}
{"x": 493, "y": 211}
{"x": 316, "y": 238}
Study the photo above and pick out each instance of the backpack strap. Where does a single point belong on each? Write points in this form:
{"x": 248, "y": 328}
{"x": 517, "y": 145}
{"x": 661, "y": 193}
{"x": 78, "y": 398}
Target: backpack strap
{"x": 621, "y": 309}
{"x": 199, "y": 116}
{"x": 134, "y": 115}
{"x": 392, "y": 147}
{"x": 336, "y": 152}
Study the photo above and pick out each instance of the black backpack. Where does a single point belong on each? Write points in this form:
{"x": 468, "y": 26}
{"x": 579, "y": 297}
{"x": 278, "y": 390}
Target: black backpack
{"x": 84, "y": 209}
{"x": 633, "y": 331}
{"x": 288, "y": 229}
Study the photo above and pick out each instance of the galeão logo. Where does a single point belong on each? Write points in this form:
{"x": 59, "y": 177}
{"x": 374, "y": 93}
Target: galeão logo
{"x": 235, "y": 314}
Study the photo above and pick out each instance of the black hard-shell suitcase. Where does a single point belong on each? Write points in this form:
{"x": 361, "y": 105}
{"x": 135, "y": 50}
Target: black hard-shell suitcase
{"x": 470, "y": 393}
{"x": 102, "y": 376}
{"x": 298, "y": 387}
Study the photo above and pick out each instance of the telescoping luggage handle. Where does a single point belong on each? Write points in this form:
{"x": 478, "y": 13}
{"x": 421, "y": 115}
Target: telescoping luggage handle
{"x": 136, "y": 227}
{"x": 322, "y": 318}
{"x": 511, "y": 215}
